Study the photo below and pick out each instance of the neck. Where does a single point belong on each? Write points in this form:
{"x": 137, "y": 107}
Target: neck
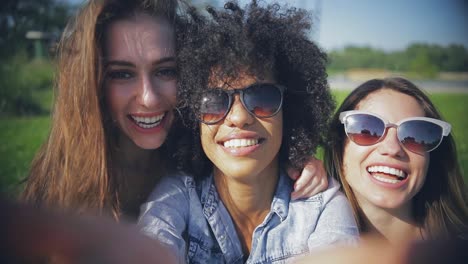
{"x": 248, "y": 201}
{"x": 129, "y": 155}
{"x": 137, "y": 171}
{"x": 394, "y": 225}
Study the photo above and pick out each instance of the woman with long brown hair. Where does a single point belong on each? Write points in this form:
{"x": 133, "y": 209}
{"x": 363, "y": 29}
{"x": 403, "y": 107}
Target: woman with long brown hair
{"x": 114, "y": 96}
{"x": 397, "y": 162}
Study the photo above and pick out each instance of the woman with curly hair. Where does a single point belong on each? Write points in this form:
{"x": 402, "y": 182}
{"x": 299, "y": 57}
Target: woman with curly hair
{"x": 255, "y": 89}
{"x": 397, "y": 162}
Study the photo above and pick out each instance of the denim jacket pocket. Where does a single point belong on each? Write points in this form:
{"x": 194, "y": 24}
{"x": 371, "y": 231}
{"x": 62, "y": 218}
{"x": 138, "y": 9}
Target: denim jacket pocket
{"x": 200, "y": 251}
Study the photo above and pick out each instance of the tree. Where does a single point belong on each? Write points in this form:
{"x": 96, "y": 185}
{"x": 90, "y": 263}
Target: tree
{"x": 19, "y": 77}
{"x": 456, "y": 59}
{"x": 19, "y": 16}
{"x": 424, "y": 60}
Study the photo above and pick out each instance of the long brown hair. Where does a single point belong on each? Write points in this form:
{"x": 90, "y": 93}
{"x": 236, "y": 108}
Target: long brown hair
{"x": 72, "y": 169}
{"x": 441, "y": 206}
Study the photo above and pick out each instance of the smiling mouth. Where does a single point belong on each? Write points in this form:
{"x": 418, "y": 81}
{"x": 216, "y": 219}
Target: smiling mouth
{"x": 241, "y": 142}
{"x": 387, "y": 174}
{"x": 147, "y": 121}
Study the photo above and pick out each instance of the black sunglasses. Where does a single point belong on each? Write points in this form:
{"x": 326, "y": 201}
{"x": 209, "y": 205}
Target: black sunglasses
{"x": 259, "y": 99}
{"x": 417, "y": 134}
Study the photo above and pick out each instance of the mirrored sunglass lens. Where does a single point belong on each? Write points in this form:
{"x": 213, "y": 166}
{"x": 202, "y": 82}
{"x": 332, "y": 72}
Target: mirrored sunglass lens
{"x": 419, "y": 136}
{"x": 214, "y": 105}
{"x": 364, "y": 129}
{"x": 263, "y": 99}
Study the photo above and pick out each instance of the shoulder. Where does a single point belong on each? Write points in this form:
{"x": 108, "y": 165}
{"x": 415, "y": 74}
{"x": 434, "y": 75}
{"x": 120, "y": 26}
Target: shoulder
{"x": 174, "y": 181}
{"x": 332, "y": 194}
{"x": 169, "y": 199}
{"x": 333, "y": 205}
{"x": 171, "y": 190}
{"x": 337, "y": 216}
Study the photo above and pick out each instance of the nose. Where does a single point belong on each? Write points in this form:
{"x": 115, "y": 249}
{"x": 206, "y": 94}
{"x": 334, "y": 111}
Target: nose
{"x": 390, "y": 145}
{"x": 147, "y": 94}
{"x": 238, "y": 116}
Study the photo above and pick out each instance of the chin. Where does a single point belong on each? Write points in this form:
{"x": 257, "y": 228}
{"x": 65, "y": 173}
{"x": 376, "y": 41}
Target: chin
{"x": 233, "y": 171}
{"x": 390, "y": 204}
{"x": 150, "y": 145}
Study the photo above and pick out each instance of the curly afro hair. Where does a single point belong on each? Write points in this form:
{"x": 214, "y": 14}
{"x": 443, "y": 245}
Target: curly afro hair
{"x": 260, "y": 39}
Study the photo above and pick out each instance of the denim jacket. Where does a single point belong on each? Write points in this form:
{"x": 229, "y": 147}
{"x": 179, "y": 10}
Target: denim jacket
{"x": 191, "y": 219}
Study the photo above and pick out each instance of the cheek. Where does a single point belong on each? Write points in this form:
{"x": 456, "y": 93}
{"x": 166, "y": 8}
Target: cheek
{"x": 353, "y": 157}
{"x": 117, "y": 96}
{"x": 346, "y": 159}
{"x": 170, "y": 92}
{"x": 422, "y": 166}
{"x": 427, "y": 159}
{"x": 345, "y": 167}
{"x": 207, "y": 136}
{"x": 277, "y": 129}
{"x": 113, "y": 100}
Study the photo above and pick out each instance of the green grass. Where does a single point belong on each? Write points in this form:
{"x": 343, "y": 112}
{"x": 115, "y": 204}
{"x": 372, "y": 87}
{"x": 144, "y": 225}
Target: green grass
{"x": 454, "y": 108}
{"x": 19, "y": 140}
{"x": 20, "y": 137}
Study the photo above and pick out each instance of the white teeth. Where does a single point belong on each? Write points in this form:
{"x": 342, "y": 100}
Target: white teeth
{"x": 148, "y": 122}
{"x": 387, "y": 170}
{"x": 238, "y": 143}
{"x": 382, "y": 179}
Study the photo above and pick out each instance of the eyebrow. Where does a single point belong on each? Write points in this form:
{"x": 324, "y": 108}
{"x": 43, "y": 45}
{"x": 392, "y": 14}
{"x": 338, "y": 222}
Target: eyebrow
{"x": 118, "y": 63}
{"x": 108, "y": 63}
{"x": 165, "y": 59}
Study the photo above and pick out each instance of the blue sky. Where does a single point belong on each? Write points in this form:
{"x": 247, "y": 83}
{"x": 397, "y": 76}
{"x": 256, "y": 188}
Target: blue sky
{"x": 392, "y": 25}
{"x": 388, "y": 24}
{"x": 385, "y": 24}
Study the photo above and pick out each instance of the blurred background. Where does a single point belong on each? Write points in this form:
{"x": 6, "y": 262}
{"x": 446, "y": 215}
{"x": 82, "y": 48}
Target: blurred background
{"x": 423, "y": 40}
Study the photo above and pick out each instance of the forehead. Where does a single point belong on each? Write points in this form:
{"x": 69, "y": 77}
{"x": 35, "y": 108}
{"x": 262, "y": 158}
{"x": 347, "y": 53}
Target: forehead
{"x": 392, "y": 105}
{"x": 140, "y": 35}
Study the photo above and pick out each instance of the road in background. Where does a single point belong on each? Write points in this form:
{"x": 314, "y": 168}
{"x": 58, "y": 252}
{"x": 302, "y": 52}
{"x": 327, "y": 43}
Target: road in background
{"x": 430, "y": 86}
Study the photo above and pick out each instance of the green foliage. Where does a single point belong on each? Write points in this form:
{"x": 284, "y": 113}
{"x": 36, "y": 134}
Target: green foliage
{"x": 39, "y": 74}
{"x": 356, "y": 57}
{"x": 418, "y": 60}
{"x": 422, "y": 64}
{"x": 20, "y": 16}
{"x": 19, "y": 79}
{"x": 424, "y": 59}
{"x": 456, "y": 58}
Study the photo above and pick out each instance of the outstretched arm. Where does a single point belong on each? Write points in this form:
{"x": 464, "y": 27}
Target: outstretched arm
{"x": 31, "y": 233}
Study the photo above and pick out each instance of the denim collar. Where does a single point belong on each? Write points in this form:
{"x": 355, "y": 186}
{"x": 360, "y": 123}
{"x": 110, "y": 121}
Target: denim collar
{"x": 282, "y": 197}
{"x": 280, "y": 204}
